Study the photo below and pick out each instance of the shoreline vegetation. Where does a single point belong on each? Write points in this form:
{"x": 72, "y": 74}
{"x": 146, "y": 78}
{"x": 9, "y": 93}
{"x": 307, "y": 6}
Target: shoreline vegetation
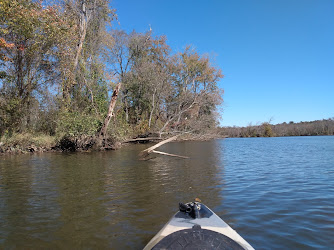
{"x": 69, "y": 81}
{"x": 29, "y": 143}
{"x": 311, "y": 128}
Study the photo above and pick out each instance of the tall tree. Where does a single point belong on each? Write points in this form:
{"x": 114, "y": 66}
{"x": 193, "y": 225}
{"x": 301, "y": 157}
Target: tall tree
{"x": 120, "y": 59}
{"x": 30, "y": 37}
{"x": 194, "y": 87}
{"x": 91, "y": 18}
{"x": 149, "y": 75}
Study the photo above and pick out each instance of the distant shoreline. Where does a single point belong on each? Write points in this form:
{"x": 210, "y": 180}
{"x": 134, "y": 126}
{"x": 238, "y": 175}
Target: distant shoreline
{"x": 30, "y": 144}
{"x": 313, "y": 128}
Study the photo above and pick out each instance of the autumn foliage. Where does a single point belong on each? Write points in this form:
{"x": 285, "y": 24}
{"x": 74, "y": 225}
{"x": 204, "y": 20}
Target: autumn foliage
{"x": 59, "y": 65}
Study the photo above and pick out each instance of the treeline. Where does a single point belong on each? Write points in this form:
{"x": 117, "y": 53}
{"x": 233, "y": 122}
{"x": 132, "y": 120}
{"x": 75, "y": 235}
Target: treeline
{"x": 320, "y": 127}
{"x": 64, "y": 71}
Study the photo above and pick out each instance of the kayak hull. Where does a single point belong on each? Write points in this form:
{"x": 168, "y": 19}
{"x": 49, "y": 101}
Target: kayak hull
{"x": 198, "y": 229}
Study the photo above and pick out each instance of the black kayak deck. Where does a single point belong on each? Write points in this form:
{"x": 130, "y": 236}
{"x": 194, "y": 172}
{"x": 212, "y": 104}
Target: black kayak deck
{"x": 197, "y": 238}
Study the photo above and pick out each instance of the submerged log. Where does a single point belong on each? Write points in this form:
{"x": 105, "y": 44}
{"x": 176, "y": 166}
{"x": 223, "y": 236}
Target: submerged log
{"x": 163, "y": 153}
{"x": 143, "y": 139}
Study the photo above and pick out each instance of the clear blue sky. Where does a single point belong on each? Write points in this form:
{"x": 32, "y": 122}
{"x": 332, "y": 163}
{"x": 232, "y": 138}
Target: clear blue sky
{"x": 277, "y": 55}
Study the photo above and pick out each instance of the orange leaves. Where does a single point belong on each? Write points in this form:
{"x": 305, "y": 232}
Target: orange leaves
{"x": 5, "y": 58}
{"x": 4, "y": 44}
{"x": 20, "y": 47}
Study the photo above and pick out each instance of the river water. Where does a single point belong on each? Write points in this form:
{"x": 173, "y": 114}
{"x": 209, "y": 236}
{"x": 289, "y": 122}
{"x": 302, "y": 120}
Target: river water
{"x": 277, "y": 193}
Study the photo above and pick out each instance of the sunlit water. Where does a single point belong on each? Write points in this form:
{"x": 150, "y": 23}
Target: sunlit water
{"x": 278, "y": 193}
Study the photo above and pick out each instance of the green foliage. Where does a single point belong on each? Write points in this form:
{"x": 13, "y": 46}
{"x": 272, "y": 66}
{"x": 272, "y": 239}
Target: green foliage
{"x": 31, "y": 38}
{"x": 119, "y": 127}
{"x": 267, "y": 130}
{"x": 76, "y": 124}
{"x": 10, "y": 115}
{"x": 58, "y": 66}
{"x": 142, "y": 128}
{"x": 47, "y": 123}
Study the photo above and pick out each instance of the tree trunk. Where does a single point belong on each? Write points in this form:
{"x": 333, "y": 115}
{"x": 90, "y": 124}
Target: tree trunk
{"x": 69, "y": 82}
{"x": 149, "y": 150}
{"x": 103, "y": 131}
{"x": 19, "y": 72}
{"x": 152, "y": 110}
{"x": 84, "y": 19}
{"x": 165, "y": 125}
{"x": 80, "y": 44}
{"x": 126, "y": 109}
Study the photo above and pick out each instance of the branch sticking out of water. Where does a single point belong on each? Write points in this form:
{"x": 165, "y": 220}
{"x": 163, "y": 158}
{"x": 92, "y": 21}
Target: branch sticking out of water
{"x": 163, "y": 153}
{"x": 144, "y": 155}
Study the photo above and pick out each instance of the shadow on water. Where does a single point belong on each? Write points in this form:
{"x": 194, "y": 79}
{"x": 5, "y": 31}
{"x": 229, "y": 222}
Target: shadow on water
{"x": 102, "y": 200}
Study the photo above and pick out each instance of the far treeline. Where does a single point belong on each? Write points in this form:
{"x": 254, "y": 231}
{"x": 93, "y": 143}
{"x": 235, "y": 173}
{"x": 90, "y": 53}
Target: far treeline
{"x": 320, "y": 127}
{"x": 65, "y": 72}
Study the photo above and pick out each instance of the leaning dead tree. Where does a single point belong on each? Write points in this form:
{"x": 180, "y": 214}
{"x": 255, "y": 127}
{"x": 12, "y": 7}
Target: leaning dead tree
{"x": 145, "y": 154}
{"x": 110, "y": 114}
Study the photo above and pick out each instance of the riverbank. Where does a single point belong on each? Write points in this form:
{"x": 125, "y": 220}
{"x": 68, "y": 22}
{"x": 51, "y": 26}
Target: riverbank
{"x": 29, "y": 143}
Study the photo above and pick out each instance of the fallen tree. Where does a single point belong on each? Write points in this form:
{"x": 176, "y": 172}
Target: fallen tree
{"x": 145, "y": 154}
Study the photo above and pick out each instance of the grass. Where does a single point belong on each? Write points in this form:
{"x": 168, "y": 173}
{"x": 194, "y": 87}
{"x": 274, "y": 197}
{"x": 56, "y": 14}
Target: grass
{"x": 27, "y": 139}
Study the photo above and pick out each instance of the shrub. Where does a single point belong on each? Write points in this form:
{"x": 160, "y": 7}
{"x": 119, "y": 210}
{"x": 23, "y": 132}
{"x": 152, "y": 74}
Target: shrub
{"x": 76, "y": 124}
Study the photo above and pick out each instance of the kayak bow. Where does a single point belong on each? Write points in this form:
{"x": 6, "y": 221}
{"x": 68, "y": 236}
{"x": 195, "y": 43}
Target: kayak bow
{"x": 195, "y": 226}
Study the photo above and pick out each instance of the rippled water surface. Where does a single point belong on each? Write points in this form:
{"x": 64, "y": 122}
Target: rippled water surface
{"x": 278, "y": 193}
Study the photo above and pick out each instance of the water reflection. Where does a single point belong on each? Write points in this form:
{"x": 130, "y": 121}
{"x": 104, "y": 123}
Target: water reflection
{"x": 148, "y": 192}
{"x": 26, "y": 211}
{"x": 113, "y": 200}
{"x": 102, "y": 200}
{"x": 80, "y": 181}
{"x": 14, "y": 191}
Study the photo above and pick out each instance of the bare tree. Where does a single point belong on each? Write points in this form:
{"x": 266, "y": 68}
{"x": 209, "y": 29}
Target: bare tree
{"x": 194, "y": 84}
